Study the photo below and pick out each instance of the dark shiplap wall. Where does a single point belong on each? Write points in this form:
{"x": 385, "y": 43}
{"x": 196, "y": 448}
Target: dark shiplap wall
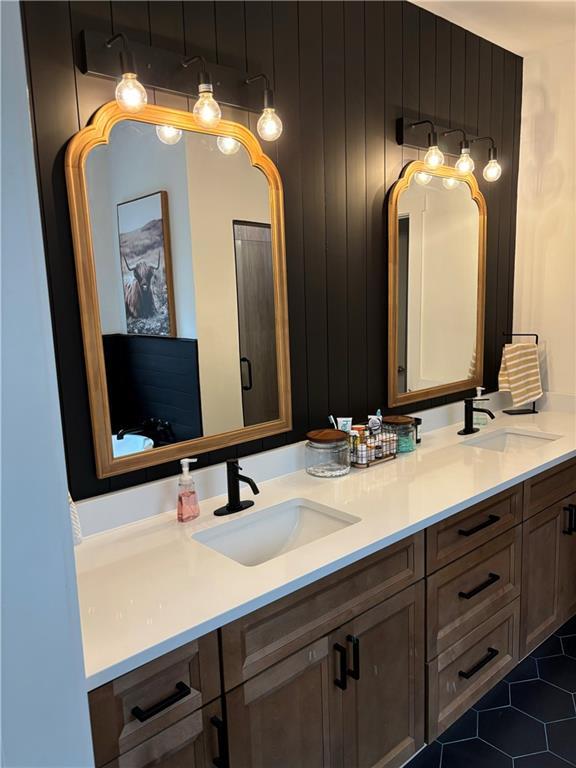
{"x": 343, "y": 73}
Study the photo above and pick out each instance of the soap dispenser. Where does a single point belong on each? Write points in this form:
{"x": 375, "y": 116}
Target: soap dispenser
{"x": 480, "y": 419}
{"x": 188, "y": 508}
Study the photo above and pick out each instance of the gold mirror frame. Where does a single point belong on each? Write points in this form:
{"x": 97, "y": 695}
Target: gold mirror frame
{"x": 396, "y": 398}
{"x": 80, "y": 146}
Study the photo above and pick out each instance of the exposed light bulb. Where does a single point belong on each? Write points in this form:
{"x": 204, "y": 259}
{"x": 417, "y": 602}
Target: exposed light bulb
{"x": 130, "y": 93}
{"x": 450, "y": 183}
{"x": 434, "y": 158}
{"x": 422, "y": 178}
{"x": 465, "y": 163}
{"x": 269, "y": 125}
{"x": 168, "y": 134}
{"x": 227, "y": 145}
{"x": 207, "y": 109}
{"x": 492, "y": 170}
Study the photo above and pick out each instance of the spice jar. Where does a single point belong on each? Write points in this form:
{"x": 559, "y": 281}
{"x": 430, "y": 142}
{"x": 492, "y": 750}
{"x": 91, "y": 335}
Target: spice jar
{"x": 405, "y": 430}
{"x": 327, "y": 453}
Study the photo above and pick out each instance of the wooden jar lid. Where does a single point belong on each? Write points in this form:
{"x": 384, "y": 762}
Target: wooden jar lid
{"x": 398, "y": 420}
{"x": 327, "y": 435}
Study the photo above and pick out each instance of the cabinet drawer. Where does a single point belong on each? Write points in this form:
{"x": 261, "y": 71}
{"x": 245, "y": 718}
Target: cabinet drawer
{"x": 549, "y": 487}
{"x": 255, "y": 642}
{"x": 462, "y": 533}
{"x": 192, "y": 742}
{"x": 469, "y": 668}
{"x": 164, "y": 691}
{"x": 463, "y": 594}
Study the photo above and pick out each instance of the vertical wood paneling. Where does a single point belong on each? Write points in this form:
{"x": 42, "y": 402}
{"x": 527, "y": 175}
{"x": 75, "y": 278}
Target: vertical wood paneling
{"x": 343, "y": 73}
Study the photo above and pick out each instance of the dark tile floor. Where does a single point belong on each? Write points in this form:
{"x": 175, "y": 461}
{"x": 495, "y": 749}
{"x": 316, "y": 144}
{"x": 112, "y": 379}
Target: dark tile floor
{"x": 526, "y": 721}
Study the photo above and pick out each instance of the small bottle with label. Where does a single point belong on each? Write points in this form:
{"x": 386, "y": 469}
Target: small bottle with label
{"x": 188, "y": 507}
{"x": 480, "y": 419}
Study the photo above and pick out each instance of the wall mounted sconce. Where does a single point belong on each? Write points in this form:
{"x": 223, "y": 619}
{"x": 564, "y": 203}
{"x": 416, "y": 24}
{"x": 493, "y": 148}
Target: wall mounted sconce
{"x": 130, "y": 93}
{"x": 206, "y": 109}
{"x": 433, "y": 158}
{"x": 465, "y": 163}
{"x": 492, "y": 170}
{"x": 269, "y": 125}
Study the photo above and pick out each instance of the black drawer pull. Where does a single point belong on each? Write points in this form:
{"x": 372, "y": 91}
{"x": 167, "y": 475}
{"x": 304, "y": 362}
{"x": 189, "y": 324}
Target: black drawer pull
{"x": 354, "y": 673}
{"x": 340, "y": 681}
{"x": 491, "y": 519}
{"x": 571, "y": 509}
{"x": 492, "y": 653}
{"x": 492, "y": 579}
{"x": 220, "y": 761}
{"x": 182, "y": 691}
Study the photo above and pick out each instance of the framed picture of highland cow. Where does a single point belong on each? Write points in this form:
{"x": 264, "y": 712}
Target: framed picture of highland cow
{"x": 146, "y": 265}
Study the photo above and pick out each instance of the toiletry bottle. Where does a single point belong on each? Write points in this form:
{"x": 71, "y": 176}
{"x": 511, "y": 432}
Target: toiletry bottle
{"x": 188, "y": 508}
{"x": 480, "y": 419}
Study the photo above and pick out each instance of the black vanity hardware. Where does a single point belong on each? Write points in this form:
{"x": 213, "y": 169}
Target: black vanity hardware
{"x": 234, "y": 478}
{"x": 341, "y": 681}
{"x": 492, "y": 579}
{"x": 469, "y": 411}
{"x": 571, "y": 509}
{"x": 492, "y": 653}
{"x": 182, "y": 690}
{"x": 490, "y": 520}
{"x": 247, "y": 387}
{"x": 354, "y": 673}
{"x": 220, "y": 761}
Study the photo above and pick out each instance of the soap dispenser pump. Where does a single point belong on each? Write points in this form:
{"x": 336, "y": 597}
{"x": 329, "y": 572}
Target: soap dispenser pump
{"x": 188, "y": 508}
{"x": 480, "y": 419}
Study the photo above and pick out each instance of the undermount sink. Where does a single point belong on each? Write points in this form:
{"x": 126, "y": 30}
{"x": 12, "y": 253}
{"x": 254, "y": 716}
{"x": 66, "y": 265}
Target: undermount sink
{"x": 511, "y": 440}
{"x": 264, "y": 535}
{"x": 130, "y": 444}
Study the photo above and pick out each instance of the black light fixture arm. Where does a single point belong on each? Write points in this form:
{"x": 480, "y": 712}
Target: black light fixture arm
{"x": 268, "y": 92}
{"x": 492, "y": 152}
{"x": 464, "y": 144}
{"x": 432, "y": 135}
{"x": 127, "y": 61}
{"x": 203, "y": 75}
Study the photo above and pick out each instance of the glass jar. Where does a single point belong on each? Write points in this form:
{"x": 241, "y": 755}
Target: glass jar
{"x": 327, "y": 453}
{"x": 405, "y": 430}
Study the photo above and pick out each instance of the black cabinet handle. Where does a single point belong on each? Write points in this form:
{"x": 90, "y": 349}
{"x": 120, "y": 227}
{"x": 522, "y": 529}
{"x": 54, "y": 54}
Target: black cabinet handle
{"x": 354, "y": 673}
{"x": 340, "y": 681}
{"x": 492, "y": 653}
{"x": 182, "y": 690}
{"x": 220, "y": 761}
{"x": 492, "y": 579}
{"x": 491, "y": 519}
{"x": 571, "y": 509}
{"x": 247, "y": 387}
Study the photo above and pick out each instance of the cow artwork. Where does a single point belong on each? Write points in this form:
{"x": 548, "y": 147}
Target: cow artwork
{"x": 146, "y": 266}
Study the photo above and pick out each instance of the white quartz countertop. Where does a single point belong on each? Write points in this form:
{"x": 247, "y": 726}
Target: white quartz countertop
{"x": 148, "y": 587}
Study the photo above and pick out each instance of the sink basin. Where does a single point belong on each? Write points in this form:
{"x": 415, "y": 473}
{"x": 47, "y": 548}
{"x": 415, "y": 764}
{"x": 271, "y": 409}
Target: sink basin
{"x": 264, "y": 535}
{"x": 511, "y": 440}
{"x": 130, "y": 444}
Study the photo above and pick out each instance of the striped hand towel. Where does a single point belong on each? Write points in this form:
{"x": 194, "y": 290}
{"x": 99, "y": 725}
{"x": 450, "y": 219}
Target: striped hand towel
{"x": 520, "y": 373}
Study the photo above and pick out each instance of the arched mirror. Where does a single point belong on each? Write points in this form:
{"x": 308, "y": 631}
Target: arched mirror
{"x": 437, "y": 254}
{"x": 179, "y": 246}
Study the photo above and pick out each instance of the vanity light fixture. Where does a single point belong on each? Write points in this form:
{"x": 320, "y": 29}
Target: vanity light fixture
{"x": 465, "y": 163}
{"x": 227, "y": 145}
{"x": 433, "y": 158}
{"x": 450, "y": 183}
{"x": 206, "y": 110}
{"x": 168, "y": 134}
{"x": 269, "y": 125}
{"x": 130, "y": 93}
{"x": 422, "y": 178}
{"x": 492, "y": 170}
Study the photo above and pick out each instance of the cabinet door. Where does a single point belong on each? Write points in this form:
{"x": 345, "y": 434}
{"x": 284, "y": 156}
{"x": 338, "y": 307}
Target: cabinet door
{"x": 567, "y": 578}
{"x": 540, "y": 613}
{"x": 383, "y": 709}
{"x": 196, "y": 741}
{"x": 282, "y": 718}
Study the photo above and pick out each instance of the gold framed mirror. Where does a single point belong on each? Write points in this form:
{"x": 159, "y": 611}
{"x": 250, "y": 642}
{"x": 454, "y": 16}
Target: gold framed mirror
{"x": 178, "y": 233}
{"x": 436, "y": 283}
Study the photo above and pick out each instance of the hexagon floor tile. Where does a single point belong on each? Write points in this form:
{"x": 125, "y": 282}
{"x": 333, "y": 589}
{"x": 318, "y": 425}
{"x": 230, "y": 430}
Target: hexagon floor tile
{"x": 526, "y": 721}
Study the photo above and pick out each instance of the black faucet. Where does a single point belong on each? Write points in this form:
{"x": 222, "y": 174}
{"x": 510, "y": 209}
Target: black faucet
{"x": 131, "y": 431}
{"x": 234, "y": 478}
{"x": 469, "y": 412}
